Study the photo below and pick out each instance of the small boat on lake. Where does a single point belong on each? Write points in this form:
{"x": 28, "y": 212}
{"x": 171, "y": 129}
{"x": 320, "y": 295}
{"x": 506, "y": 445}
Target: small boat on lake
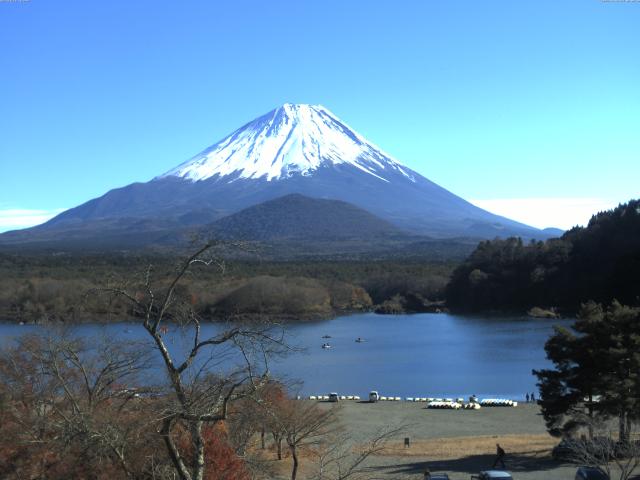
{"x": 326, "y": 336}
{"x": 360, "y": 340}
{"x": 326, "y": 346}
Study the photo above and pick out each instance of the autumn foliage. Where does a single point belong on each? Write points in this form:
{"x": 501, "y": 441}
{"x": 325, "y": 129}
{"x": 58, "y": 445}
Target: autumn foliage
{"x": 222, "y": 462}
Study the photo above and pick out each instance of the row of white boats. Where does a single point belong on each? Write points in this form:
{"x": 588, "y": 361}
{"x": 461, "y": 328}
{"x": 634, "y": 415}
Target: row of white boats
{"x": 436, "y": 403}
{"x": 332, "y": 397}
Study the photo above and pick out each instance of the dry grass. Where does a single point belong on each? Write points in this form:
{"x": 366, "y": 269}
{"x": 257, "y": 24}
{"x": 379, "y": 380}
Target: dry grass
{"x": 281, "y": 469}
{"x": 525, "y": 450}
{"x": 534, "y": 446}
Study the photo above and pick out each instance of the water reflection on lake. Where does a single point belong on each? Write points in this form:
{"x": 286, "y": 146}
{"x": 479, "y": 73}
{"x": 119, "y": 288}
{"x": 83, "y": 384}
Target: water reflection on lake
{"x": 430, "y": 355}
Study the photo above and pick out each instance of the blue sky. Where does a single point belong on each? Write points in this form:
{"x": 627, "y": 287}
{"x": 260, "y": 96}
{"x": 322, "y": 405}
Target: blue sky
{"x": 531, "y": 109}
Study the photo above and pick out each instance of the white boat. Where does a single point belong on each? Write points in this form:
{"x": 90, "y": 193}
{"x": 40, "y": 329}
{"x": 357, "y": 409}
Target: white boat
{"x": 326, "y": 346}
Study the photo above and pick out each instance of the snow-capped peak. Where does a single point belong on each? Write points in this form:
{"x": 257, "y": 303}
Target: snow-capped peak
{"x": 294, "y": 139}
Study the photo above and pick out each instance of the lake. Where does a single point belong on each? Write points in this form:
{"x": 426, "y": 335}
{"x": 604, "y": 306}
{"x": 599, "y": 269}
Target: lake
{"x": 426, "y": 355}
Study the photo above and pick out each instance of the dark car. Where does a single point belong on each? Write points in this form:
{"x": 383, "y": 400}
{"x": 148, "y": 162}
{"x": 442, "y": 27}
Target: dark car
{"x": 590, "y": 473}
{"x": 439, "y": 476}
{"x": 492, "y": 475}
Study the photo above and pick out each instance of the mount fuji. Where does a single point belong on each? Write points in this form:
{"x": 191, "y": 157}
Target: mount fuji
{"x": 293, "y": 149}
{"x": 288, "y": 141}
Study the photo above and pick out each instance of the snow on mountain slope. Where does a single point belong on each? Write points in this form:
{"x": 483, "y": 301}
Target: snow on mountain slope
{"x": 292, "y": 139}
{"x": 294, "y": 149}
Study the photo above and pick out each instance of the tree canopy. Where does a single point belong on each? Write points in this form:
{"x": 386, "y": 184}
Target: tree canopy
{"x": 598, "y": 262}
{"x": 596, "y": 374}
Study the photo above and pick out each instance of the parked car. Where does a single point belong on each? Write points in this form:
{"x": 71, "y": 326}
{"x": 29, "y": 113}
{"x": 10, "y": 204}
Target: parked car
{"x": 590, "y": 473}
{"x": 334, "y": 397}
{"x": 373, "y": 396}
{"x": 492, "y": 475}
{"x": 439, "y": 476}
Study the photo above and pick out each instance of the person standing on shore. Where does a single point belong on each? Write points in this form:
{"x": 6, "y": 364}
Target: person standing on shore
{"x": 533, "y": 398}
{"x": 527, "y": 397}
{"x": 500, "y": 456}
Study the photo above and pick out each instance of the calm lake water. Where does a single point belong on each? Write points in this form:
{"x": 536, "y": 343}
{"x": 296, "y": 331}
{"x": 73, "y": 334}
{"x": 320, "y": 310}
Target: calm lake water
{"x": 427, "y": 355}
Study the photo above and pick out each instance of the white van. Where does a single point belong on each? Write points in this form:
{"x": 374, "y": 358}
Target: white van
{"x": 373, "y": 396}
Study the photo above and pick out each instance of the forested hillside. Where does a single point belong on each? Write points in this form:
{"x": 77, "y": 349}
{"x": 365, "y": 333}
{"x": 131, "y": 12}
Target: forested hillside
{"x": 53, "y": 288}
{"x": 599, "y": 262}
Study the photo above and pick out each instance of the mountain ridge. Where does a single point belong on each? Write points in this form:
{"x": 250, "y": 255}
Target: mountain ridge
{"x": 294, "y": 149}
{"x": 298, "y": 217}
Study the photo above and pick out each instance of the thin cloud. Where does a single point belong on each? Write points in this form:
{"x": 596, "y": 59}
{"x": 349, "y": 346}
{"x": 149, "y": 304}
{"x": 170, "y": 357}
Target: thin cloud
{"x": 546, "y": 212}
{"x": 16, "y": 218}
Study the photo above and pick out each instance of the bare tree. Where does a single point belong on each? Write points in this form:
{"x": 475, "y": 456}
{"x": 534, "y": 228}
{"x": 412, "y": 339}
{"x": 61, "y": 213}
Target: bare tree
{"x": 270, "y": 412}
{"x": 71, "y": 407}
{"x": 306, "y": 425}
{"x": 214, "y": 372}
{"x": 339, "y": 459}
{"x": 299, "y": 423}
{"x": 607, "y": 453}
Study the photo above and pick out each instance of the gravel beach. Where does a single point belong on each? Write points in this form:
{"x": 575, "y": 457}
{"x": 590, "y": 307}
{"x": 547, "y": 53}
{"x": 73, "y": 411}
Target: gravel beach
{"x": 460, "y": 443}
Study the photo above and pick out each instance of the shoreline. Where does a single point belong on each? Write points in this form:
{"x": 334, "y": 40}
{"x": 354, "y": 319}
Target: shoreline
{"x": 285, "y": 319}
{"x": 248, "y": 318}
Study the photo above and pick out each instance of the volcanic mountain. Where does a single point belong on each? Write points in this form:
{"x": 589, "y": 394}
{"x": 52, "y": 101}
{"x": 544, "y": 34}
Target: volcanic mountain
{"x": 294, "y": 149}
{"x": 298, "y": 218}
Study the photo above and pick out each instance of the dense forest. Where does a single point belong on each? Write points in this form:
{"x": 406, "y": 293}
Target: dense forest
{"x": 599, "y": 262}
{"x": 62, "y": 288}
